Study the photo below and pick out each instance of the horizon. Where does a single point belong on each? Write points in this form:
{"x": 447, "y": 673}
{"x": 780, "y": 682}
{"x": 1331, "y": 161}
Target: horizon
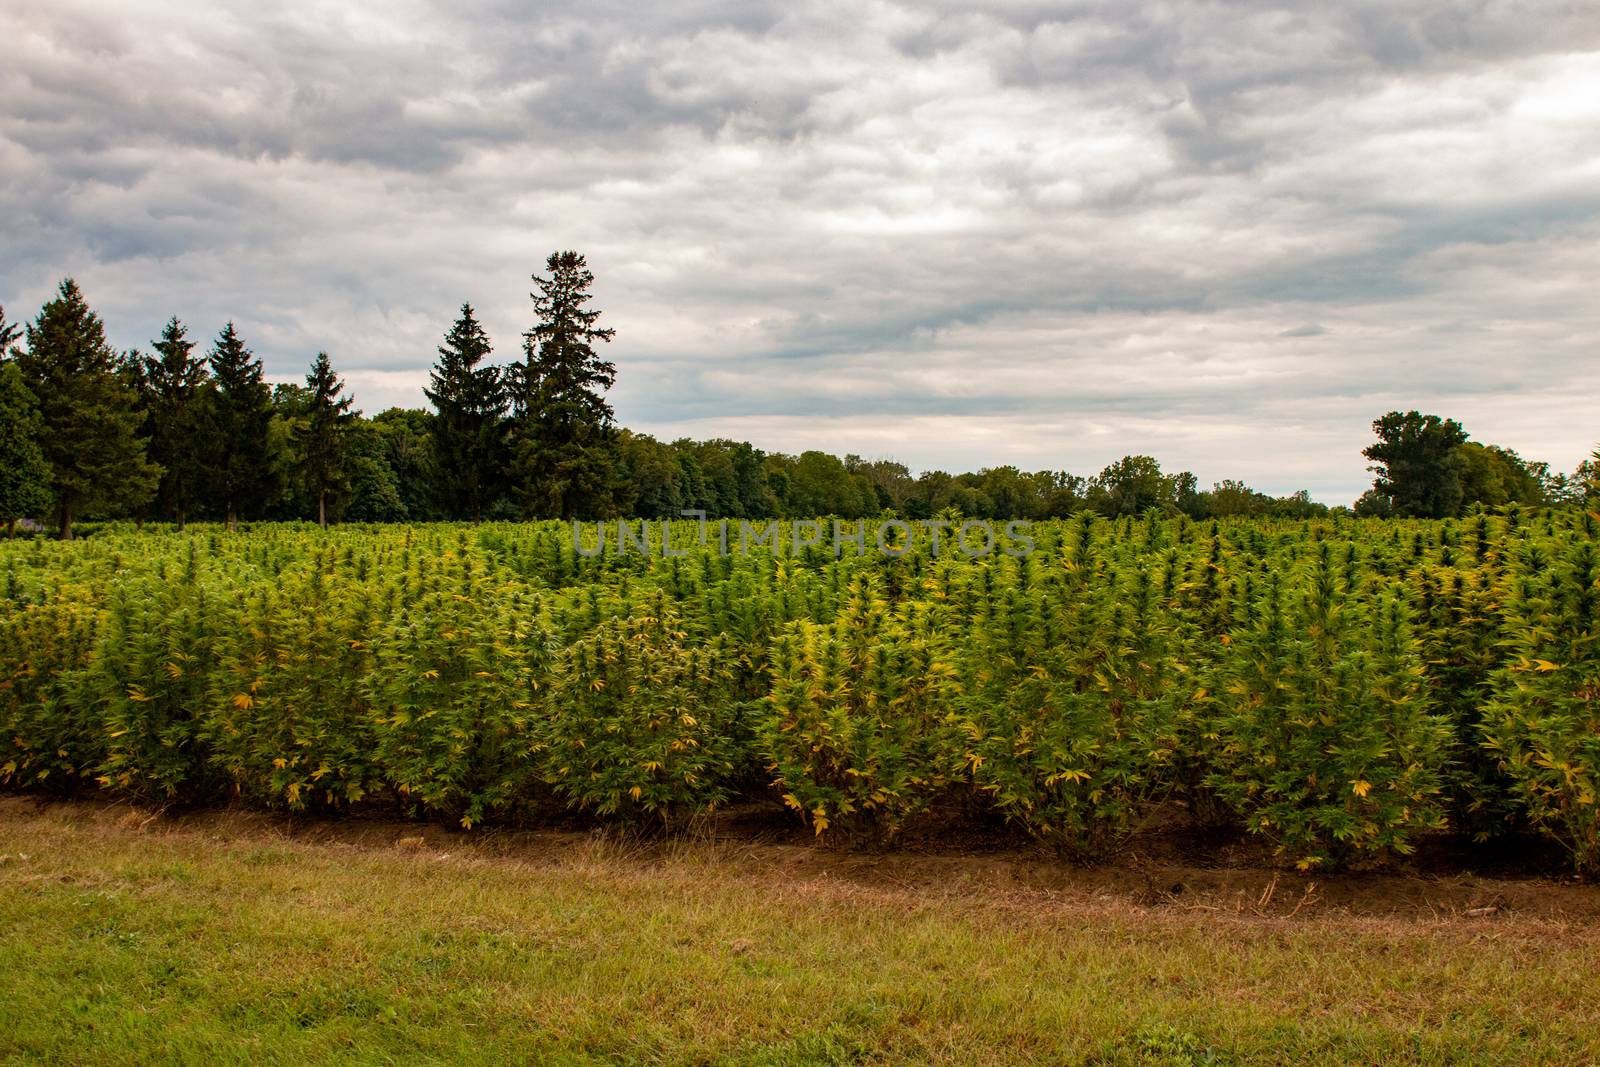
{"x": 1038, "y": 236}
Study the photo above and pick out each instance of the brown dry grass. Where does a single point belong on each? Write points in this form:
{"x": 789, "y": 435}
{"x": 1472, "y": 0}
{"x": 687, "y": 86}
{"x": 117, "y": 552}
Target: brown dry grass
{"x": 243, "y": 937}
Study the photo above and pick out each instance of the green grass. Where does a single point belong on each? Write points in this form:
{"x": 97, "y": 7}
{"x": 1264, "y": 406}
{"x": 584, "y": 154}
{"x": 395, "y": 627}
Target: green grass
{"x": 214, "y": 943}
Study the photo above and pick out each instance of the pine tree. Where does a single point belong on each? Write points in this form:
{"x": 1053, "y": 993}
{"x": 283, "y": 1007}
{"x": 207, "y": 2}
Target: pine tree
{"x": 320, "y": 441}
{"x": 174, "y": 383}
{"x": 468, "y": 434}
{"x": 9, "y": 332}
{"x": 90, "y": 413}
{"x": 24, "y": 475}
{"x": 239, "y": 446}
{"x": 563, "y": 431}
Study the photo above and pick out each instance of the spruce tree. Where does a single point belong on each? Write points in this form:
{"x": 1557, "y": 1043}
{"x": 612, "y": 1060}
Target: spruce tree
{"x": 320, "y": 439}
{"x": 24, "y": 475}
{"x": 468, "y": 434}
{"x": 9, "y": 332}
{"x": 238, "y": 416}
{"x": 90, "y": 414}
{"x": 174, "y": 382}
{"x": 562, "y": 434}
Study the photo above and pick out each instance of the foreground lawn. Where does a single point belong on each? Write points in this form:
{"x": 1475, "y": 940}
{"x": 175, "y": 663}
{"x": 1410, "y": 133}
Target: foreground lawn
{"x": 216, "y": 943}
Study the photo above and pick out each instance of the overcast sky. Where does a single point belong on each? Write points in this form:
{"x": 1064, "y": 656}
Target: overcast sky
{"x": 1047, "y": 234}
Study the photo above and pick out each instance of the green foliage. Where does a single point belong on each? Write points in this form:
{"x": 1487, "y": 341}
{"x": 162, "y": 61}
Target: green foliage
{"x": 96, "y": 460}
{"x": 1339, "y": 685}
{"x": 240, "y": 451}
{"x": 289, "y": 718}
{"x": 858, "y": 731}
{"x": 1328, "y": 742}
{"x": 148, "y": 684}
{"x": 561, "y": 433}
{"x": 175, "y": 388}
{"x": 51, "y": 740}
{"x": 1131, "y": 486}
{"x": 24, "y": 474}
{"x": 1070, "y": 705}
{"x": 1495, "y": 476}
{"x": 406, "y": 436}
{"x": 468, "y": 435}
{"x": 638, "y": 722}
{"x": 1419, "y": 462}
{"x": 456, "y": 692}
{"x": 319, "y": 440}
{"x": 375, "y": 494}
{"x": 1543, "y": 722}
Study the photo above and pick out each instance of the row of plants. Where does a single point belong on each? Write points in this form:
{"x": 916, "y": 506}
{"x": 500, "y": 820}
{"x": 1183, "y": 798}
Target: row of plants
{"x": 1341, "y": 687}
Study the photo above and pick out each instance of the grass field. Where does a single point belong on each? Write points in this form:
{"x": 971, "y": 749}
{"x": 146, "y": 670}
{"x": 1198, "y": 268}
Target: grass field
{"x": 229, "y": 938}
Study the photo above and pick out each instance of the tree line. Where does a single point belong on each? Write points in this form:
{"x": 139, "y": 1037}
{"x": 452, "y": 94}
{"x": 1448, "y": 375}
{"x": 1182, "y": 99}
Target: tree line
{"x": 176, "y": 434}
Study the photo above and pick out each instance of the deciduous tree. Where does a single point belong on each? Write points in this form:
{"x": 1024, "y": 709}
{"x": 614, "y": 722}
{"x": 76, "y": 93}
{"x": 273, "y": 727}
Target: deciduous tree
{"x": 1417, "y": 460}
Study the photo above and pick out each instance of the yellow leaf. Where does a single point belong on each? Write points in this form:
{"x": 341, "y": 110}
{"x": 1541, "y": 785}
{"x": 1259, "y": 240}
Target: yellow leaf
{"x": 1361, "y": 789}
{"x": 243, "y": 701}
{"x": 1544, "y": 665}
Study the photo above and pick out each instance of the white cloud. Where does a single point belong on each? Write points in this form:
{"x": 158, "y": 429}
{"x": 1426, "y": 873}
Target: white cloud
{"x": 1044, "y": 234}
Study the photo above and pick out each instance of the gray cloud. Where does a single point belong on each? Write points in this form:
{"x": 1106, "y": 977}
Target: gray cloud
{"x": 1040, "y": 233}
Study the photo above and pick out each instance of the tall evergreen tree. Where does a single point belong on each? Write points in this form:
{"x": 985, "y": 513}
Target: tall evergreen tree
{"x": 239, "y": 446}
{"x": 24, "y": 475}
{"x": 9, "y": 332}
{"x": 320, "y": 440}
{"x": 468, "y": 434}
{"x": 562, "y": 433}
{"x": 174, "y": 382}
{"x": 91, "y": 416}
{"x": 1417, "y": 460}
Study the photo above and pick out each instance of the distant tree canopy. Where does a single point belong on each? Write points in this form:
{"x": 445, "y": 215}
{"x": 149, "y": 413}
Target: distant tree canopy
{"x": 1417, "y": 460}
{"x": 1426, "y": 467}
{"x": 172, "y": 436}
{"x": 24, "y": 474}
